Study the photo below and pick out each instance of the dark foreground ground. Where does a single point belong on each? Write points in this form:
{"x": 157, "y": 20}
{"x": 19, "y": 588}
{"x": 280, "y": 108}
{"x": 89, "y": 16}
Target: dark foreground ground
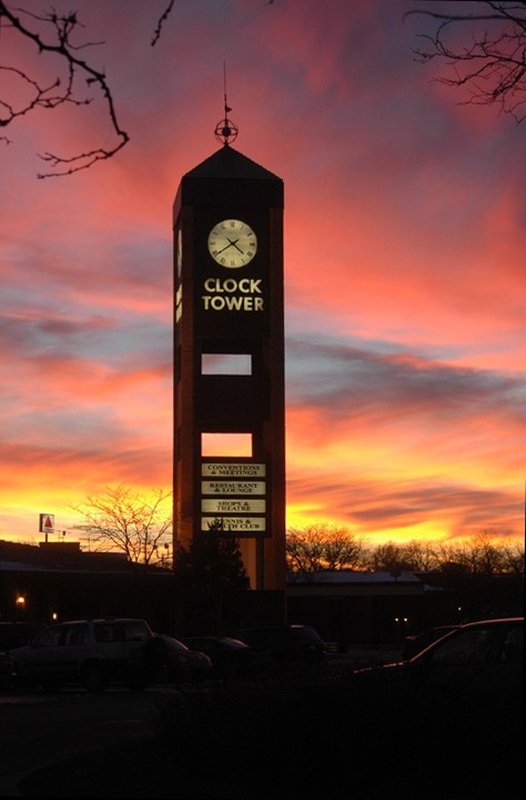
{"x": 297, "y": 740}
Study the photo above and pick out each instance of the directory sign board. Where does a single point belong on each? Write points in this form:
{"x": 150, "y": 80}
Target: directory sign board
{"x": 242, "y": 525}
{"x": 227, "y": 469}
{"x": 233, "y": 487}
{"x": 233, "y": 495}
{"x": 232, "y": 506}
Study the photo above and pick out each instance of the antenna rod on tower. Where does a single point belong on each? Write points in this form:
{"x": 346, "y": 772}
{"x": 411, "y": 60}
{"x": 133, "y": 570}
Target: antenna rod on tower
{"x": 226, "y": 131}
{"x": 227, "y": 109}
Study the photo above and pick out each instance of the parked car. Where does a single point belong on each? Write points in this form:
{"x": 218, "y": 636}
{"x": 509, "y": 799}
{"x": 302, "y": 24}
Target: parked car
{"x": 230, "y": 657}
{"x": 469, "y": 648}
{"x": 90, "y": 652}
{"x": 176, "y": 662}
{"x": 453, "y": 711}
{"x": 474, "y": 671}
{"x": 285, "y": 643}
{"x": 418, "y": 642}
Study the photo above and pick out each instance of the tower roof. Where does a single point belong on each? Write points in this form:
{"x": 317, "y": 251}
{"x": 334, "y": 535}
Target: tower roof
{"x": 230, "y": 163}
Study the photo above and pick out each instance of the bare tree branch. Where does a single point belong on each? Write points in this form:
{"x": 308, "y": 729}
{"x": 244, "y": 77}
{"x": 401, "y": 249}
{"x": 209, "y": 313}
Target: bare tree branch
{"x": 162, "y": 20}
{"x": 492, "y": 67}
{"x": 320, "y": 547}
{"x": 53, "y": 34}
{"x": 63, "y": 89}
{"x": 126, "y": 521}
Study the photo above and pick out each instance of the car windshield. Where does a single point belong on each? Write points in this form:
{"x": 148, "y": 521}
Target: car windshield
{"x": 76, "y": 634}
{"x": 49, "y": 637}
{"x": 470, "y": 646}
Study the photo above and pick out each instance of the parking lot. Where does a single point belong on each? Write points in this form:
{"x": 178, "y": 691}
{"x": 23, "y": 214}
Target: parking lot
{"x": 288, "y": 740}
{"x": 39, "y": 729}
{"x": 330, "y": 730}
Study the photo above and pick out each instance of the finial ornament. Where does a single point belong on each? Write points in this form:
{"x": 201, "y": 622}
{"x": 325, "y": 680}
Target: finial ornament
{"x": 226, "y": 131}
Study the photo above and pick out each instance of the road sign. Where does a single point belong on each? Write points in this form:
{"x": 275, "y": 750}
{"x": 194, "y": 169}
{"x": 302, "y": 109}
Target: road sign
{"x": 46, "y": 523}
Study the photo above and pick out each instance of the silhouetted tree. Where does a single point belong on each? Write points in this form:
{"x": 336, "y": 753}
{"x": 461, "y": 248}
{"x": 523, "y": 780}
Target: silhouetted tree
{"x": 208, "y": 570}
{"x": 211, "y": 561}
{"x": 513, "y": 559}
{"x": 123, "y": 520}
{"x": 413, "y": 556}
{"x": 322, "y": 546}
{"x": 476, "y": 556}
{"x": 489, "y": 60}
{"x": 422, "y": 556}
{"x": 390, "y": 557}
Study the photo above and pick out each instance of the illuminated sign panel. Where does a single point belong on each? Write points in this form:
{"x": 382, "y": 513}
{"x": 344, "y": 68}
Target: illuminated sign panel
{"x": 231, "y": 470}
{"x": 236, "y": 524}
{"x": 234, "y": 497}
{"x": 238, "y": 506}
{"x": 233, "y": 487}
{"x": 46, "y": 523}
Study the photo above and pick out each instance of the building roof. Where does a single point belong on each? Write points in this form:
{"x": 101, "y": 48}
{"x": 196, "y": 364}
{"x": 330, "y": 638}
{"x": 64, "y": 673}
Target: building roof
{"x": 62, "y": 557}
{"x": 349, "y": 576}
{"x": 348, "y": 582}
{"x": 230, "y": 163}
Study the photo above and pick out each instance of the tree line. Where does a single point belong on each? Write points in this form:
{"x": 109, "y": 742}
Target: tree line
{"x": 141, "y": 527}
{"x": 329, "y": 547}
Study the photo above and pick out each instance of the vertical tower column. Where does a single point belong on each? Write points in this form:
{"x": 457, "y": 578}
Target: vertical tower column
{"x": 229, "y": 403}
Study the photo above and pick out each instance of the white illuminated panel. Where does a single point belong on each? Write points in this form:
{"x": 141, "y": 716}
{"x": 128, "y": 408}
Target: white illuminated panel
{"x": 215, "y": 445}
{"x": 240, "y": 506}
{"x": 179, "y": 304}
{"x": 224, "y": 470}
{"x": 226, "y": 364}
{"x": 235, "y": 524}
{"x": 233, "y": 487}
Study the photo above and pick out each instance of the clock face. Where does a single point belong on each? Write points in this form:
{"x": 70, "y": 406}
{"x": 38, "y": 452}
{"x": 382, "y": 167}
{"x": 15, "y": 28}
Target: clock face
{"x": 232, "y": 243}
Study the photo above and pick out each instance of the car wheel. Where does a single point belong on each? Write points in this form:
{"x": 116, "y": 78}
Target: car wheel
{"x": 93, "y": 677}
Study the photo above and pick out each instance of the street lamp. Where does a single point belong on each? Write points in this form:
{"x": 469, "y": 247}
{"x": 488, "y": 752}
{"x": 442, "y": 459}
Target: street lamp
{"x": 20, "y": 602}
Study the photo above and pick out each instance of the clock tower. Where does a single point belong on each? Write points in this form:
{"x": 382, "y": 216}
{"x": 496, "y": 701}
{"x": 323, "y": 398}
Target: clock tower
{"x": 229, "y": 405}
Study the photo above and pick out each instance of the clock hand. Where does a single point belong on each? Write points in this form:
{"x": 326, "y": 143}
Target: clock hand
{"x": 234, "y": 244}
{"x": 226, "y": 247}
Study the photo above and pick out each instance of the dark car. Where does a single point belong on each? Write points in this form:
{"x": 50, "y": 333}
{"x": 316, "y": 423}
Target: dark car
{"x": 474, "y": 672}
{"x": 486, "y": 653}
{"x": 286, "y": 643}
{"x": 415, "y": 644}
{"x": 91, "y": 653}
{"x": 176, "y": 662}
{"x": 457, "y": 702}
{"x": 231, "y": 658}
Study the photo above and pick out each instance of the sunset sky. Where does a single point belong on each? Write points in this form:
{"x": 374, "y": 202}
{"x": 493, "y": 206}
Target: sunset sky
{"x": 405, "y": 266}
